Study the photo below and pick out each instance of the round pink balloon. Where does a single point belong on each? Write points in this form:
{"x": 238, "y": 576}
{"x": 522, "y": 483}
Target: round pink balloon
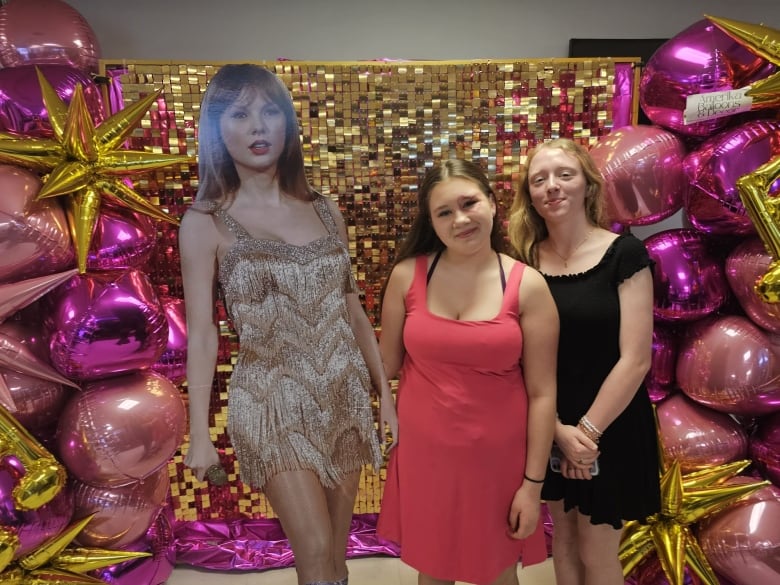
{"x": 22, "y": 110}
{"x": 743, "y": 541}
{"x": 727, "y": 363}
{"x": 746, "y": 263}
{"x": 33, "y": 527}
{"x": 121, "y": 429}
{"x": 105, "y": 323}
{"x": 34, "y": 236}
{"x": 697, "y": 436}
{"x": 173, "y": 362}
{"x": 42, "y": 32}
{"x": 712, "y": 201}
{"x": 700, "y": 59}
{"x": 765, "y": 447}
{"x": 688, "y": 280}
{"x": 122, "y": 514}
{"x": 123, "y": 238}
{"x": 643, "y": 175}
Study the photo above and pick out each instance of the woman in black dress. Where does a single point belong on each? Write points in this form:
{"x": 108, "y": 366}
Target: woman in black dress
{"x": 604, "y": 469}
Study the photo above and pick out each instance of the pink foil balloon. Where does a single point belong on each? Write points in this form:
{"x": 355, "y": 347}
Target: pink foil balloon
{"x": 643, "y": 174}
{"x": 37, "y": 402}
{"x": 651, "y": 572}
{"x": 688, "y": 280}
{"x": 697, "y": 436}
{"x": 173, "y": 362}
{"x": 712, "y": 201}
{"x": 22, "y": 110}
{"x": 39, "y": 32}
{"x": 728, "y": 364}
{"x": 122, "y": 514}
{"x": 121, "y": 429}
{"x": 123, "y": 238}
{"x": 34, "y": 236}
{"x": 107, "y": 323}
{"x": 33, "y": 527}
{"x": 661, "y": 377}
{"x": 744, "y": 266}
{"x": 743, "y": 541}
{"x": 159, "y": 541}
{"x": 700, "y": 59}
{"x": 765, "y": 447}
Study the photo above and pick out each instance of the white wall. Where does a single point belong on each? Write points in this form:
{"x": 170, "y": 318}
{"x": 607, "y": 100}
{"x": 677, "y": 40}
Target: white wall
{"x": 348, "y": 30}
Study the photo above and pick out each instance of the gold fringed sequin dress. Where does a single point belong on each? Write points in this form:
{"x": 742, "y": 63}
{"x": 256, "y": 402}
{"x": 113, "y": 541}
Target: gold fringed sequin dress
{"x": 299, "y": 392}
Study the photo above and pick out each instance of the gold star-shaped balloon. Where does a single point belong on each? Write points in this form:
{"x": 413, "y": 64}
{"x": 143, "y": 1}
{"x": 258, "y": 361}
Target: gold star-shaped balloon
{"x": 685, "y": 499}
{"x": 54, "y": 563}
{"x": 86, "y": 162}
{"x": 764, "y": 211}
{"x": 764, "y": 42}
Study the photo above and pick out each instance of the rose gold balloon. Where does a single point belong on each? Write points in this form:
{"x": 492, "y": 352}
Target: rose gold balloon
{"x": 37, "y": 402}
{"x": 746, "y": 263}
{"x": 37, "y": 32}
{"x": 743, "y": 541}
{"x": 34, "y": 236}
{"x": 643, "y": 175}
{"x": 104, "y": 324}
{"x": 121, "y": 429}
{"x": 122, "y": 514}
{"x": 697, "y": 436}
{"x": 173, "y": 362}
{"x": 765, "y": 447}
{"x": 728, "y": 364}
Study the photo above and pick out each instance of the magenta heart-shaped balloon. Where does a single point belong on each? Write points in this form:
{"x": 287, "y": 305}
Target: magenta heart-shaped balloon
{"x": 104, "y": 324}
{"x": 34, "y": 236}
{"x": 123, "y": 238}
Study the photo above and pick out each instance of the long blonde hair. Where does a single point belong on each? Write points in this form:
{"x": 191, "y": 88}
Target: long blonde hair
{"x": 526, "y": 226}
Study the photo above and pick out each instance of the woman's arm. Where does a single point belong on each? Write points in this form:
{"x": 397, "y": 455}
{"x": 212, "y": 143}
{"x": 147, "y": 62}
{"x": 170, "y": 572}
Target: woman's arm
{"x": 366, "y": 340}
{"x": 198, "y": 241}
{"x": 540, "y": 327}
{"x": 636, "y": 346}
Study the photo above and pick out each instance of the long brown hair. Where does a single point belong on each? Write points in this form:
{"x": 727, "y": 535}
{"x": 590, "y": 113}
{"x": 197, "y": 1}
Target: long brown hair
{"x": 217, "y": 173}
{"x": 526, "y": 226}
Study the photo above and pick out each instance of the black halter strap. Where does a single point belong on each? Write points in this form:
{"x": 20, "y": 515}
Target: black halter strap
{"x": 438, "y": 256}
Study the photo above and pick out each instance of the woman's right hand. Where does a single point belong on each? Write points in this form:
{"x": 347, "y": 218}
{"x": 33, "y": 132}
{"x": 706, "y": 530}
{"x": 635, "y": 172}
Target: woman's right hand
{"x": 576, "y": 446}
{"x": 388, "y": 420}
{"x": 201, "y": 455}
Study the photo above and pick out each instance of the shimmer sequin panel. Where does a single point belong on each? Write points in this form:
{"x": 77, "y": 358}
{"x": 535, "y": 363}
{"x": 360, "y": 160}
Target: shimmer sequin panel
{"x": 369, "y": 131}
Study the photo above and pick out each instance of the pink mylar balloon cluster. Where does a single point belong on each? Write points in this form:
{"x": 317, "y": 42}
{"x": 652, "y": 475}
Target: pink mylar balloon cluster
{"x": 38, "y": 32}
{"x": 121, "y": 429}
{"x": 643, "y": 176}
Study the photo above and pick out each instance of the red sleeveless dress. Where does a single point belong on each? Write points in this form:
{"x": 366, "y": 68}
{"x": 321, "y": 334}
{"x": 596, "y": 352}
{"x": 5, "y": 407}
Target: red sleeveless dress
{"x": 462, "y": 412}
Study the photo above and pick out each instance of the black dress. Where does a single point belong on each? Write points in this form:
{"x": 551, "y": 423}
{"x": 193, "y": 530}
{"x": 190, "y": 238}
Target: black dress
{"x": 627, "y": 486}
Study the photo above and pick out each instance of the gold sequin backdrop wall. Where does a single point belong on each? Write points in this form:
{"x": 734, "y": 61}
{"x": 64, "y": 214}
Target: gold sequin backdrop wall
{"x": 369, "y": 132}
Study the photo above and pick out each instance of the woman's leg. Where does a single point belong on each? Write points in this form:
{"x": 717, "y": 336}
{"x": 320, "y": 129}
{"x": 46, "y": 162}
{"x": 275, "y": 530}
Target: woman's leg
{"x": 300, "y": 502}
{"x": 423, "y": 579}
{"x": 565, "y": 548}
{"x": 508, "y": 577}
{"x": 341, "y": 503}
{"x": 598, "y": 546}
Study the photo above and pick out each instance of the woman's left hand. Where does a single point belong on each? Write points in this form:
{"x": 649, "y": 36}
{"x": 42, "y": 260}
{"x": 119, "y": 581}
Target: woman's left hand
{"x": 388, "y": 421}
{"x": 524, "y": 512}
